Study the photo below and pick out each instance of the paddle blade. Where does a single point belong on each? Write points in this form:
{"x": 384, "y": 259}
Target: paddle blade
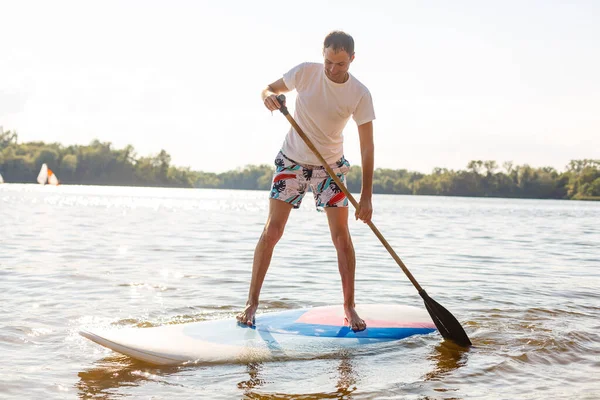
{"x": 447, "y": 325}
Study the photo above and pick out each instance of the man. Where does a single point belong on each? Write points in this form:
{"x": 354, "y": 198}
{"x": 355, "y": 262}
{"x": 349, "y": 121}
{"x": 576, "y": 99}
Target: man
{"x": 327, "y": 97}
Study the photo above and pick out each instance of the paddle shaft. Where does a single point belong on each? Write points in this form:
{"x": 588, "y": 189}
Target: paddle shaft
{"x": 338, "y": 182}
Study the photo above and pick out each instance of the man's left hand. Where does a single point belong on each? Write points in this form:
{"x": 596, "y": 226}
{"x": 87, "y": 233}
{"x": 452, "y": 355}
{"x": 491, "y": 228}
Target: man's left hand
{"x": 365, "y": 210}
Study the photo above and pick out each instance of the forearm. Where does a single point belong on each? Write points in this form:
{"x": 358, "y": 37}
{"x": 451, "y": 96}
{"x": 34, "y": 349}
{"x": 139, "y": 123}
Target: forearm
{"x": 367, "y": 152}
{"x": 368, "y": 161}
{"x": 267, "y": 92}
{"x": 275, "y": 88}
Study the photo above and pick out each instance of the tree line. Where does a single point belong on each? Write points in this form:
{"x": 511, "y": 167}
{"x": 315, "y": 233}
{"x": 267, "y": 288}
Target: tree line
{"x": 100, "y": 164}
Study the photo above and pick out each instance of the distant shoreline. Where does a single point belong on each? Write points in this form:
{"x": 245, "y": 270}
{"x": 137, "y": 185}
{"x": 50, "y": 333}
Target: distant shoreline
{"x": 100, "y": 164}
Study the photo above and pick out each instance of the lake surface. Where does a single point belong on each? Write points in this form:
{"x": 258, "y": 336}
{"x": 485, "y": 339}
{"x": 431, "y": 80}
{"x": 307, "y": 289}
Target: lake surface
{"x": 522, "y": 276}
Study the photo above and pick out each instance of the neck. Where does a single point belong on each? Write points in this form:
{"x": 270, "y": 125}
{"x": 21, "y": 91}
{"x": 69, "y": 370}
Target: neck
{"x": 343, "y": 80}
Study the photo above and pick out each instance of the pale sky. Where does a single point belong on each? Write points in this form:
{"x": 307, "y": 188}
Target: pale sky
{"x": 451, "y": 81}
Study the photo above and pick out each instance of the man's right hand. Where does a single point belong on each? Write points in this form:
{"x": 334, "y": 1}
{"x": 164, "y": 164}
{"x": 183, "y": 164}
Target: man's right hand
{"x": 272, "y": 103}
{"x": 269, "y": 94}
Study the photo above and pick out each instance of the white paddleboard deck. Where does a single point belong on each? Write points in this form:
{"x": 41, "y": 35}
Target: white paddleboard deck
{"x": 294, "y": 333}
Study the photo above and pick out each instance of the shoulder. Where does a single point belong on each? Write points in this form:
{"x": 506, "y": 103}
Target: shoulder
{"x": 305, "y": 69}
{"x": 359, "y": 86}
{"x": 301, "y": 76}
{"x": 310, "y": 68}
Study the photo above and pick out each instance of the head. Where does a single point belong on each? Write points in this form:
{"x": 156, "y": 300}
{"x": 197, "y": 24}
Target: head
{"x": 338, "y": 53}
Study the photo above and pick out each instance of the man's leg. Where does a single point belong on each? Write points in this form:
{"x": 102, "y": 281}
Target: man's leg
{"x": 340, "y": 234}
{"x": 279, "y": 212}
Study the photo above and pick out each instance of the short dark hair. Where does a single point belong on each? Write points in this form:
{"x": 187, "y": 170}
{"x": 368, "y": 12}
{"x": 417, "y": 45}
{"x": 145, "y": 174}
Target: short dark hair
{"x": 339, "y": 41}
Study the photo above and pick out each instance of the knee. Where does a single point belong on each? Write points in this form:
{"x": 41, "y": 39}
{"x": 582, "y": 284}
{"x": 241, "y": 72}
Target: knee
{"x": 342, "y": 241}
{"x": 271, "y": 234}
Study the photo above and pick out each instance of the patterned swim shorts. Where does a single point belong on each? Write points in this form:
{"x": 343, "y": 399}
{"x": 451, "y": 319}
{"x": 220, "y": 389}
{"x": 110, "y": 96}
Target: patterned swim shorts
{"x": 291, "y": 181}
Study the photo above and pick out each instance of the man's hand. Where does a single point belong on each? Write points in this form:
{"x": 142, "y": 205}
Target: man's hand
{"x": 269, "y": 94}
{"x": 272, "y": 103}
{"x": 365, "y": 209}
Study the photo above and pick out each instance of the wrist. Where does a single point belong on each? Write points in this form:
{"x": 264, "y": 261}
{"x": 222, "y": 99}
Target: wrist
{"x": 268, "y": 91}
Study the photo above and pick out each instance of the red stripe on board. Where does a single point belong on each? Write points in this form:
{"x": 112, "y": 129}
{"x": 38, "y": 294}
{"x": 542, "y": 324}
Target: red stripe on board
{"x": 330, "y": 317}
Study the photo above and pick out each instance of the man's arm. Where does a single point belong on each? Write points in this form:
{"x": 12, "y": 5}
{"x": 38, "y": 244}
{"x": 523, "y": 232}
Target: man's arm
{"x": 270, "y": 93}
{"x": 367, "y": 152}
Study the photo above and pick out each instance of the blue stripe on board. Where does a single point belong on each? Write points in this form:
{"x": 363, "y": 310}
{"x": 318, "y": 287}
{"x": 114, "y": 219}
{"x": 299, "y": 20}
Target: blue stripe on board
{"x": 271, "y": 342}
{"x": 318, "y": 330}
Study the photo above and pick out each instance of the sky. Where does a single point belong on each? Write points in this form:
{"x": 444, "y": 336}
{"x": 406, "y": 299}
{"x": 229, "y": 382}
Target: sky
{"x": 451, "y": 81}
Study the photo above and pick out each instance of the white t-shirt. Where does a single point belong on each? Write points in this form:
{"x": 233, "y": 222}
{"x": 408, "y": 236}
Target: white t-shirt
{"x": 322, "y": 110}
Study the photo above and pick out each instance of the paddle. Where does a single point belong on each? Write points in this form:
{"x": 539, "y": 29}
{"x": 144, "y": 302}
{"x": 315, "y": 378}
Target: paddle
{"x": 446, "y": 323}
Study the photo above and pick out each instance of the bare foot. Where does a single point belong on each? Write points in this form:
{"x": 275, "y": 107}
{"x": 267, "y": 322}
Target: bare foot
{"x": 246, "y": 317}
{"x": 354, "y": 321}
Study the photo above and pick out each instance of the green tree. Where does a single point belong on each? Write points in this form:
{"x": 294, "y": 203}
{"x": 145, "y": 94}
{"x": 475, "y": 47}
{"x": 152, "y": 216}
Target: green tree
{"x": 68, "y": 167}
{"x": 8, "y": 138}
{"x": 47, "y": 156}
{"x": 594, "y": 188}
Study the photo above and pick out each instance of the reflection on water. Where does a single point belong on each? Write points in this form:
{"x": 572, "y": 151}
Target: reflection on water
{"x": 447, "y": 358}
{"x": 255, "y": 380}
{"x": 117, "y": 371}
{"x": 112, "y": 373}
{"x": 345, "y": 384}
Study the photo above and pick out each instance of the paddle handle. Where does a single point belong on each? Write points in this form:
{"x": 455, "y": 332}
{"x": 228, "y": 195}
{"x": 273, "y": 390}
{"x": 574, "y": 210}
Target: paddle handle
{"x": 332, "y": 174}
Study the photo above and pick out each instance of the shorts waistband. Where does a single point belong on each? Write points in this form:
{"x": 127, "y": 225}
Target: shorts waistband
{"x": 309, "y": 165}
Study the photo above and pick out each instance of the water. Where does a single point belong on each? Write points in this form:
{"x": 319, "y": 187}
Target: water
{"x": 522, "y": 276}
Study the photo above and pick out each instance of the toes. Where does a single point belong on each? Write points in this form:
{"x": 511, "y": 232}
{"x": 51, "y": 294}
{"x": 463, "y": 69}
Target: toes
{"x": 244, "y": 320}
{"x": 359, "y": 326}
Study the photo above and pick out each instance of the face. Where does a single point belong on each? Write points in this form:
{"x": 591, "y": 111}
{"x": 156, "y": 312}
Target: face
{"x": 336, "y": 64}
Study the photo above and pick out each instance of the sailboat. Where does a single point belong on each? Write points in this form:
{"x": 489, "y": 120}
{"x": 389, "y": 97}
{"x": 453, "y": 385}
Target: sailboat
{"x": 1, "y": 180}
{"x": 47, "y": 176}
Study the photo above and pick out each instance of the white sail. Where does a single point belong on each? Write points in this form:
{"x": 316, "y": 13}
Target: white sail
{"x": 52, "y": 179}
{"x": 43, "y": 175}
{"x": 1, "y": 180}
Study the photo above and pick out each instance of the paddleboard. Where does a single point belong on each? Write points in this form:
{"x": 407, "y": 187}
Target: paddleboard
{"x": 277, "y": 335}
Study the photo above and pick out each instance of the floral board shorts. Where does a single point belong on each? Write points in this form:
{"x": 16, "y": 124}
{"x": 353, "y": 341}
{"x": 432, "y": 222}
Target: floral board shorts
{"x": 291, "y": 181}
